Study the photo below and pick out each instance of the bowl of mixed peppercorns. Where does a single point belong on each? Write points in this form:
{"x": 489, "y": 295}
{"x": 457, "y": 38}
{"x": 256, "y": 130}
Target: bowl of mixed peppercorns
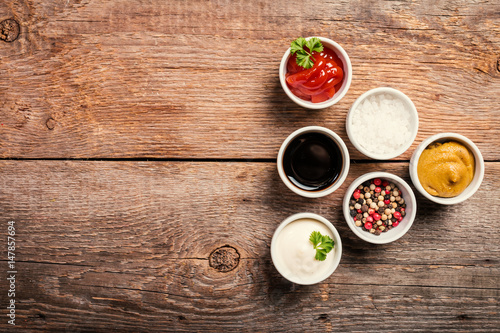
{"x": 379, "y": 207}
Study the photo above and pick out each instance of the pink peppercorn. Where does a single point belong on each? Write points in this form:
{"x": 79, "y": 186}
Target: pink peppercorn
{"x": 368, "y": 225}
{"x": 378, "y": 189}
{"x": 395, "y": 224}
{"x": 387, "y": 202}
{"x": 357, "y": 190}
{"x": 385, "y": 183}
{"x": 397, "y": 215}
{"x": 371, "y": 211}
{"x": 400, "y": 219}
{"x": 377, "y": 181}
{"x": 356, "y": 195}
{"x": 354, "y": 218}
{"x": 402, "y": 209}
{"x": 377, "y": 216}
{"x": 360, "y": 211}
{"x": 369, "y": 219}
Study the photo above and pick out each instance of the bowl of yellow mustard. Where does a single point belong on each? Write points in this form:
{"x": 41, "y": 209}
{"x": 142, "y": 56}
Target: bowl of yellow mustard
{"x": 447, "y": 168}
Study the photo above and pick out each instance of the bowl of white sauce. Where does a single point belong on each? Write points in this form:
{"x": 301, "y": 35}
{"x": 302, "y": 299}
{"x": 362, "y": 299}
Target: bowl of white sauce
{"x": 382, "y": 123}
{"x": 294, "y": 255}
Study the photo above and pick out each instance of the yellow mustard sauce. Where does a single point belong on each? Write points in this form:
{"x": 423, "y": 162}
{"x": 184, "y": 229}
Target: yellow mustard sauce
{"x": 446, "y": 169}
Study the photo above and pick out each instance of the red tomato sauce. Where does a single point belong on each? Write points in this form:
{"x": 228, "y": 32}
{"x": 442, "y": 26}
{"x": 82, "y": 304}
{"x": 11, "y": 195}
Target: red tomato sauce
{"x": 319, "y": 83}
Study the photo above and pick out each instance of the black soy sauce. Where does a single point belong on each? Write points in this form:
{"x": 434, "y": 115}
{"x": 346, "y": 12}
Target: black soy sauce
{"x": 312, "y": 161}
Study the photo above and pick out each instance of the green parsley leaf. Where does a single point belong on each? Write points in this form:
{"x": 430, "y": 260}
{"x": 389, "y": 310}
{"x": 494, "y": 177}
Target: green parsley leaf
{"x": 304, "y": 57}
{"x": 304, "y": 60}
{"x": 315, "y": 238}
{"x": 314, "y": 44}
{"x": 298, "y": 45}
{"x": 323, "y": 244}
{"x": 320, "y": 255}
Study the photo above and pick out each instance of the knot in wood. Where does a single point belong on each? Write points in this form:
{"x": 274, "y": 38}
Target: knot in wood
{"x": 51, "y": 123}
{"x": 224, "y": 259}
{"x": 9, "y": 30}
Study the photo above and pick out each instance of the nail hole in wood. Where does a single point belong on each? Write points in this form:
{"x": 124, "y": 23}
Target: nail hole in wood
{"x": 51, "y": 123}
{"x": 224, "y": 259}
{"x": 9, "y": 30}
{"x": 323, "y": 316}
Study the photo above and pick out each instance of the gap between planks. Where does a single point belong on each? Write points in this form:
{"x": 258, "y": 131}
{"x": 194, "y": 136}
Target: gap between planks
{"x": 159, "y": 159}
{"x": 208, "y": 160}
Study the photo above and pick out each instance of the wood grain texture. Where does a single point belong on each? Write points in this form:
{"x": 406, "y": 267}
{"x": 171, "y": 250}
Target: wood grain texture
{"x": 124, "y": 246}
{"x": 119, "y": 243}
{"x": 199, "y": 79}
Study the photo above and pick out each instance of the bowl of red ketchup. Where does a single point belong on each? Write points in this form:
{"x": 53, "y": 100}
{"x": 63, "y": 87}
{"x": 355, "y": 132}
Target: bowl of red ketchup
{"x": 322, "y": 85}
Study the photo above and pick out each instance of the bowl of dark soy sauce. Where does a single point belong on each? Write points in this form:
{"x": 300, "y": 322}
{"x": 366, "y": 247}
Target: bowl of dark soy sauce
{"x": 313, "y": 161}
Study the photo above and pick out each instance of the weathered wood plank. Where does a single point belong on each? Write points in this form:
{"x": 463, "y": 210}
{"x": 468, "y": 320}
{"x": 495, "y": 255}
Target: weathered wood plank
{"x": 134, "y": 79}
{"x": 156, "y": 207}
{"x": 125, "y": 245}
{"x": 186, "y": 295}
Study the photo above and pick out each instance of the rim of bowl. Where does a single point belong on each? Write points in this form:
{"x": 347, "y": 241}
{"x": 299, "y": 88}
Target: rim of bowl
{"x": 319, "y": 218}
{"x": 342, "y": 54}
{"x": 413, "y": 112}
{"x": 345, "y": 167}
{"x": 393, "y": 234}
{"x": 478, "y": 169}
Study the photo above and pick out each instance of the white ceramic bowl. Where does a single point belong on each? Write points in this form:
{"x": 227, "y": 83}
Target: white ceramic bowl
{"x": 337, "y": 248}
{"x": 414, "y": 123}
{"x": 347, "y": 68}
{"x": 478, "y": 172}
{"x": 396, "y": 232}
{"x": 345, "y": 162}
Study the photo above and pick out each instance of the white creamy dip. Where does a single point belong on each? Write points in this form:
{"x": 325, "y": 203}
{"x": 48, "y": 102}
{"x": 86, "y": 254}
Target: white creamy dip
{"x": 294, "y": 256}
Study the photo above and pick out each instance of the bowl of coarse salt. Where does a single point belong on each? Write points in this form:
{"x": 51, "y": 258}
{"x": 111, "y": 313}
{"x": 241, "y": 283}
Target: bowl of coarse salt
{"x": 382, "y": 123}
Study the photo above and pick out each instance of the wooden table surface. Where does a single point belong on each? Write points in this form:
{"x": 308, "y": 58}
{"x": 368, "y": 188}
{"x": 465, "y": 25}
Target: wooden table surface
{"x": 138, "y": 137}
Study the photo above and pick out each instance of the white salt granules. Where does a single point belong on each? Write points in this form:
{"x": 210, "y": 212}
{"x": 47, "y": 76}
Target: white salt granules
{"x": 381, "y": 124}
